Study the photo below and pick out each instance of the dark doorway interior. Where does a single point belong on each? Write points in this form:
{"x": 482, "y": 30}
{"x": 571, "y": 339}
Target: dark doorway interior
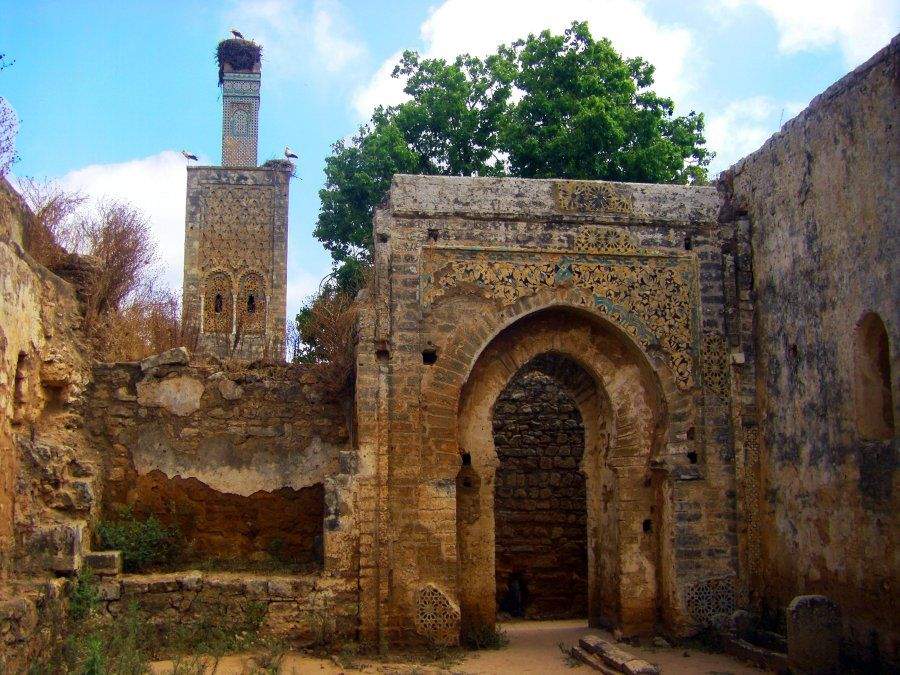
{"x": 539, "y": 501}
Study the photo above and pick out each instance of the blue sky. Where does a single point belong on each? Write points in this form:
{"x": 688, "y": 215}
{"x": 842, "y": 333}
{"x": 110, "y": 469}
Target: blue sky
{"x": 107, "y": 93}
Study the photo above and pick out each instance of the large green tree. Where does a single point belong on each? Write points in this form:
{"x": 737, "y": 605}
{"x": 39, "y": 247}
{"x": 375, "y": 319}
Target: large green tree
{"x": 562, "y": 106}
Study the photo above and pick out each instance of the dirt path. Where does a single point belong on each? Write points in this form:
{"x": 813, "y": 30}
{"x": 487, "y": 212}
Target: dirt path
{"x": 533, "y": 648}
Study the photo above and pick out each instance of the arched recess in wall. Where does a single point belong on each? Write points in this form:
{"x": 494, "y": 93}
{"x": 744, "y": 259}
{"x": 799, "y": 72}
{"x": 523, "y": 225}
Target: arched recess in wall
{"x": 252, "y": 304}
{"x": 874, "y": 396}
{"x": 218, "y": 304}
{"x": 624, "y": 414}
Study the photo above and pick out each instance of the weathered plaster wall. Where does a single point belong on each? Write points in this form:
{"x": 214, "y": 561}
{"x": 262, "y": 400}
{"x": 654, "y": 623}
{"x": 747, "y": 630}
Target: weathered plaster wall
{"x": 821, "y": 199}
{"x": 540, "y": 504}
{"x": 237, "y": 458}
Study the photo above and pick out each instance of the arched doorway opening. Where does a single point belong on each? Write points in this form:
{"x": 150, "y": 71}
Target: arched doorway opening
{"x": 540, "y": 508}
{"x": 618, "y": 398}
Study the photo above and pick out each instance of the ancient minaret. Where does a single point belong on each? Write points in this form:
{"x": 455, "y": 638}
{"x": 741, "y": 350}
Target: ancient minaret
{"x": 235, "y": 243}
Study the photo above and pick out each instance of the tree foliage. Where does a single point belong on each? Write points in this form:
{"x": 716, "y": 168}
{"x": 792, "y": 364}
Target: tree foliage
{"x": 562, "y": 106}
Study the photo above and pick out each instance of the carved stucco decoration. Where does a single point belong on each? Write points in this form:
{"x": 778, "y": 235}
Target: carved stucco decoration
{"x": 714, "y": 365}
{"x": 574, "y": 196}
{"x": 237, "y": 228}
{"x": 251, "y": 308}
{"x": 602, "y": 239}
{"x": 652, "y": 296}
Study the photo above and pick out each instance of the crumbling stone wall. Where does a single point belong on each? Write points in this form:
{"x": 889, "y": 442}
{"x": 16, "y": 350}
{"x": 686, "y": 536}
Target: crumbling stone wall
{"x": 47, "y": 468}
{"x": 819, "y": 201}
{"x": 237, "y": 458}
{"x": 540, "y": 501}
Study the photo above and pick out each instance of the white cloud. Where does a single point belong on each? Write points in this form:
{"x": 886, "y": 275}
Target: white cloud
{"x": 478, "y": 27}
{"x": 743, "y": 126}
{"x": 301, "y": 285}
{"x": 286, "y": 30}
{"x": 859, "y": 28}
{"x": 154, "y": 185}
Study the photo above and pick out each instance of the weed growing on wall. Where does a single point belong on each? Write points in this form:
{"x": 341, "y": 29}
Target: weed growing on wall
{"x": 145, "y": 543}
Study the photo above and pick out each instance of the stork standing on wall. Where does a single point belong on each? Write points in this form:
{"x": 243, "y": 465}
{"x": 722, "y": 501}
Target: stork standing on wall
{"x": 289, "y": 154}
{"x": 237, "y": 34}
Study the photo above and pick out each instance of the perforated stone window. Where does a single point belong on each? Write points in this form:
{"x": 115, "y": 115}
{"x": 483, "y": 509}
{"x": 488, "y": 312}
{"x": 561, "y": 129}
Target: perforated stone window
{"x": 437, "y": 617}
{"x": 707, "y": 598}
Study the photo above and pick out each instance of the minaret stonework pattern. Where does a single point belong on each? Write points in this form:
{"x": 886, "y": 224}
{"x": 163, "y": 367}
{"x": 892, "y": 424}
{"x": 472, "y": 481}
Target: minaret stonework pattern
{"x": 236, "y": 220}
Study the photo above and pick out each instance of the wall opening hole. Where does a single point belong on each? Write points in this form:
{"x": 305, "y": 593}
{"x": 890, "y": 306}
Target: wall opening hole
{"x": 433, "y": 234}
{"x": 690, "y": 433}
{"x": 19, "y": 386}
{"x": 688, "y": 243}
{"x": 515, "y": 595}
{"x": 382, "y": 238}
{"x": 429, "y": 356}
{"x": 466, "y": 459}
{"x": 648, "y": 525}
{"x": 251, "y": 304}
{"x": 692, "y": 457}
{"x": 874, "y": 395}
{"x": 217, "y": 305}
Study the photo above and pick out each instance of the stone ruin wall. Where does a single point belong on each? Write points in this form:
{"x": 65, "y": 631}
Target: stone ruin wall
{"x": 49, "y": 473}
{"x": 236, "y": 457}
{"x": 820, "y": 199}
{"x": 457, "y": 260}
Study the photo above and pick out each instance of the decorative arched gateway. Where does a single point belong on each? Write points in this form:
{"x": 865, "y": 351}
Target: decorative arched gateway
{"x": 623, "y": 411}
{"x": 622, "y": 286}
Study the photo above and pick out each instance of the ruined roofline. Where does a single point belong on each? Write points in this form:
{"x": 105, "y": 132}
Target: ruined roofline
{"x": 823, "y": 100}
{"x": 217, "y": 167}
{"x": 551, "y": 199}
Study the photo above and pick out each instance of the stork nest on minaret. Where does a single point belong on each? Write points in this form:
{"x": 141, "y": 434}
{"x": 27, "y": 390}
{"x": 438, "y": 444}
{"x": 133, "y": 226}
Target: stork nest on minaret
{"x": 241, "y": 55}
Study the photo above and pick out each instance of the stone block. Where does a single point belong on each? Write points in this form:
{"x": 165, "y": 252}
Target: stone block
{"x": 110, "y": 589}
{"x": 179, "y": 356}
{"x": 813, "y": 635}
{"x": 104, "y": 563}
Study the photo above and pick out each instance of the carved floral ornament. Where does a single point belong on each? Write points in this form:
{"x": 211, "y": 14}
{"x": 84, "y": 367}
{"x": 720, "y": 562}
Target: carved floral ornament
{"x": 652, "y": 297}
{"x": 590, "y": 197}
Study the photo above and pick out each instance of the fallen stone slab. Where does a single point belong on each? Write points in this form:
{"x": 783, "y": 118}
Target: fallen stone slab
{"x": 590, "y": 660}
{"x": 179, "y": 356}
{"x": 615, "y": 657}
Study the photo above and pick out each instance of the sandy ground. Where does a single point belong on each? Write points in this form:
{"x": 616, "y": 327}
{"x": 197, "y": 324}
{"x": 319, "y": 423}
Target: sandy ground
{"x": 533, "y": 648}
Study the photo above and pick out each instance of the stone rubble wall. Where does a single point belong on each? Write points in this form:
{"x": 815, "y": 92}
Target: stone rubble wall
{"x": 540, "y": 503}
{"x": 819, "y": 201}
{"x": 304, "y": 610}
{"x": 236, "y": 457}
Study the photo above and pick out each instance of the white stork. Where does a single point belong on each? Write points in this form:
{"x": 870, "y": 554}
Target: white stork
{"x": 237, "y": 33}
{"x": 189, "y": 156}
{"x": 290, "y": 154}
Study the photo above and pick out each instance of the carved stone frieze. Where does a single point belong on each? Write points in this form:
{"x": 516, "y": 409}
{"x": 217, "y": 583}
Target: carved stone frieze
{"x": 652, "y": 296}
{"x": 585, "y": 196}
